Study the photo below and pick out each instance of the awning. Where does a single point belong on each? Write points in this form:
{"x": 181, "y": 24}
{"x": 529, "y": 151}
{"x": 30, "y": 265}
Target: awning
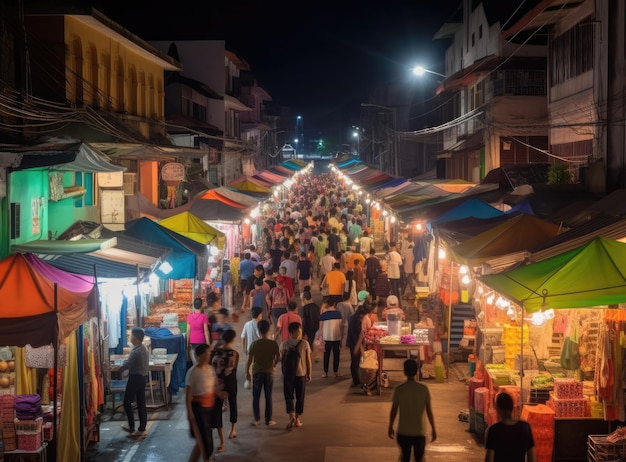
{"x": 64, "y": 247}
{"x": 64, "y": 155}
{"x": 234, "y": 103}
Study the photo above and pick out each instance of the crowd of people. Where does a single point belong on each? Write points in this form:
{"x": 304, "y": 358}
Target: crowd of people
{"x": 318, "y": 238}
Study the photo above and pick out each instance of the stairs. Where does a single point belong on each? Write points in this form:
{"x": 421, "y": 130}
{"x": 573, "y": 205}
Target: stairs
{"x": 460, "y": 313}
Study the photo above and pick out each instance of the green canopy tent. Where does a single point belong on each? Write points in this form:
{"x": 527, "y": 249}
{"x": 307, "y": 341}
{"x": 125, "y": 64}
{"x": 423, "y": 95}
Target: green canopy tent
{"x": 591, "y": 275}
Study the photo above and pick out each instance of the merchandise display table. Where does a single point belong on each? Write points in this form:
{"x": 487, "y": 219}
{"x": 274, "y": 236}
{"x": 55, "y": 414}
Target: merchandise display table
{"x": 161, "y": 367}
{"x": 40, "y": 455}
{"x": 380, "y": 349}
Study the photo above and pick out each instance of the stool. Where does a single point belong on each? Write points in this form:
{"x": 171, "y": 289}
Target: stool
{"x": 117, "y": 387}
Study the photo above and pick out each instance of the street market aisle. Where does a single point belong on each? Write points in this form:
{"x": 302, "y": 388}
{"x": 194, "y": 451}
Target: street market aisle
{"x": 340, "y": 423}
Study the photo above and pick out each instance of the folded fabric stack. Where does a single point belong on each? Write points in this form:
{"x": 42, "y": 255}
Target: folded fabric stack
{"x": 28, "y": 407}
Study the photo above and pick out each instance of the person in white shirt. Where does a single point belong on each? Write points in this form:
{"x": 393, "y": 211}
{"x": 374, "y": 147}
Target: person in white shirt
{"x": 394, "y": 262}
{"x": 366, "y": 243}
{"x": 250, "y": 331}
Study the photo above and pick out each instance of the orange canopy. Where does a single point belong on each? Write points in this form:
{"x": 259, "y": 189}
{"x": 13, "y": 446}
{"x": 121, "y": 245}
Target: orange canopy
{"x": 211, "y": 194}
{"x": 28, "y": 301}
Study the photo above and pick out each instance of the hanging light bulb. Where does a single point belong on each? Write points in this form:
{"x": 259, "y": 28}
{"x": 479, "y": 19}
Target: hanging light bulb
{"x": 465, "y": 280}
{"x": 490, "y": 299}
{"x": 537, "y": 318}
{"x": 393, "y": 218}
{"x": 480, "y": 289}
{"x": 385, "y": 213}
{"x": 418, "y": 226}
{"x": 463, "y": 269}
{"x": 442, "y": 253}
{"x": 510, "y": 312}
{"x": 548, "y": 314}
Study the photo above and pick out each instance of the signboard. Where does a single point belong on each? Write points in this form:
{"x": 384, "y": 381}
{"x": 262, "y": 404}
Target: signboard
{"x": 424, "y": 335}
{"x": 110, "y": 179}
{"x": 173, "y": 171}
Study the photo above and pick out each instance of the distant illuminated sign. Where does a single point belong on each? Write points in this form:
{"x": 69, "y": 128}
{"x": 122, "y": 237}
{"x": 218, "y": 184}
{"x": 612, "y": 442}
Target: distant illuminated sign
{"x": 173, "y": 171}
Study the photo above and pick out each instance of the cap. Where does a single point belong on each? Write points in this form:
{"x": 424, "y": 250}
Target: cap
{"x": 362, "y": 295}
{"x": 392, "y": 300}
{"x": 280, "y": 279}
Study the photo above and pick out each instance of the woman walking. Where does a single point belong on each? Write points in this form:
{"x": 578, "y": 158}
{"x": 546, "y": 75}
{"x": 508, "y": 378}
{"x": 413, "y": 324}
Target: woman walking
{"x": 225, "y": 360}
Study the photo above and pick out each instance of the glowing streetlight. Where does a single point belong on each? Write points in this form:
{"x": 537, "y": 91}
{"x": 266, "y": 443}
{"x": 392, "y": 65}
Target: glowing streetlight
{"x": 420, "y": 71}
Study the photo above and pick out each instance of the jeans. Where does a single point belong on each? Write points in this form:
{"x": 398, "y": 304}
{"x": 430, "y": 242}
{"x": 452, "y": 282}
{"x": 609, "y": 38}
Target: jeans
{"x": 263, "y": 380}
{"x": 295, "y": 384}
{"x": 418, "y": 443}
{"x": 136, "y": 390}
{"x": 335, "y": 347}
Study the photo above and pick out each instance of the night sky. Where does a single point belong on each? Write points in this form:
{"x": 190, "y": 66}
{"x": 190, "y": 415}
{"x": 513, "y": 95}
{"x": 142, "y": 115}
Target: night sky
{"x": 317, "y": 57}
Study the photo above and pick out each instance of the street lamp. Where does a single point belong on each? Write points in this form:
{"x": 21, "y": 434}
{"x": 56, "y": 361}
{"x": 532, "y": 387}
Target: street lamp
{"x": 420, "y": 71}
{"x": 393, "y": 155}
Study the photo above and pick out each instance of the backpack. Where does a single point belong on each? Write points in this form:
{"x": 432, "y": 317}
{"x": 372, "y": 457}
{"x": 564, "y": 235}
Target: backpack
{"x": 291, "y": 360}
{"x": 278, "y": 298}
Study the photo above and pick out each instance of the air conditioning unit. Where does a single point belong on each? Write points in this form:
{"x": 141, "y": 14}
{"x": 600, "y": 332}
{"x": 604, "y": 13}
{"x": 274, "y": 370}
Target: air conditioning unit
{"x": 129, "y": 184}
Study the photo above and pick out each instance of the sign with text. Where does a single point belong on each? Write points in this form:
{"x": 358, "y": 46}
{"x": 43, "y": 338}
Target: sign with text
{"x": 424, "y": 335}
{"x": 173, "y": 171}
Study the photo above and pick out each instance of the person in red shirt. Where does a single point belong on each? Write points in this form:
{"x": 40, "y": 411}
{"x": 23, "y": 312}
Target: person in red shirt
{"x": 282, "y": 326}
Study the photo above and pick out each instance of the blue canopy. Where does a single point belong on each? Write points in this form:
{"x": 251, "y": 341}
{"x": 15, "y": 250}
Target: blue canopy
{"x": 470, "y": 208}
{"x": 182, "y": 259}
{"x": 522, "y": 207}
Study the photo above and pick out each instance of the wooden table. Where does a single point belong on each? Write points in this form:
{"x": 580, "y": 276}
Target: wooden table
{"x": 19, "y": 455}
{"x": 160, "y": 366}
{"x": 380, "y": 349}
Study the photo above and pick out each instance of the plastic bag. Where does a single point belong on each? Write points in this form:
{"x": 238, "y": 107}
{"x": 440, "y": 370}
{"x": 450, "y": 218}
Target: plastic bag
{"x": 369, "y": 360}
{"x": 318, "y": 341}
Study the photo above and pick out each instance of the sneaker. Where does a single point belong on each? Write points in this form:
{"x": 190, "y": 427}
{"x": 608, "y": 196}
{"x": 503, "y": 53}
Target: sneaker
{"x": 271, "y": 423}
{"x": 298, "y": 422}
{"x": 256, "y": 423}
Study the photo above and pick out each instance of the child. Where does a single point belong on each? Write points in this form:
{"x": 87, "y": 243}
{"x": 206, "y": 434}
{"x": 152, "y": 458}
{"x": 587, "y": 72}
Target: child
{"x": 221, "y": 324}
{"x": 250, "y": 331}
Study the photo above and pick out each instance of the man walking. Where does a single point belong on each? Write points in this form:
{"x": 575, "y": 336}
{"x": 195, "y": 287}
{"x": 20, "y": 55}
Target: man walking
{"x": 412, "y": 399}
{"x": 372, "y": 269}
{"x": 295, "y": 378}
{"x": 263, "y": 356}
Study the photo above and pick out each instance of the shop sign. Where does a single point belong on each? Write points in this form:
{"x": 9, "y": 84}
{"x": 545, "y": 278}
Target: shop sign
{"x": 173, "y": 171}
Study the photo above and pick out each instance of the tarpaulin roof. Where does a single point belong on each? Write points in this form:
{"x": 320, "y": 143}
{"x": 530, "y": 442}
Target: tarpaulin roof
{"x": 214, "y": 194}
{"x": 129, "y": 258}
{"x": 280, "y": 170}
{"x": 188, "y": 258}
{"x": 293, "y": 164}
{"x": 457, "y": 231}
{"x": 28, "y": 301}
{"x": 470, "y": 208}
{"x": 591, "y": 275}
{"x": 189, "y": 225}
{"x": 272, "y": 177}
{"x": 522, "y": 232}
{"x": 250, "y": 183}
{"x": 215, "y": 210}
{"x": 64, "y": 155}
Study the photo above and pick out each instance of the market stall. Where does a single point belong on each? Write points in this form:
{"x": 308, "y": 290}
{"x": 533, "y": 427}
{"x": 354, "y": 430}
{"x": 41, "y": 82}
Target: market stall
{"x": 569, "y": 304}
{"x": 45, "y": 307}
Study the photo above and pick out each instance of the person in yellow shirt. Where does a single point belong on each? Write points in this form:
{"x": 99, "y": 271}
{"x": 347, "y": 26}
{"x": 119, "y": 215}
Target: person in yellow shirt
{"x": 335, "y": 280}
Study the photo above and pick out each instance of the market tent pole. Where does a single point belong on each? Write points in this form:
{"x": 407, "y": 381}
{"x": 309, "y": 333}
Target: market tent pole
{"x": 55, "y": 347}
{"x": 449, "y": 323}
{"x": 521, "y": 358}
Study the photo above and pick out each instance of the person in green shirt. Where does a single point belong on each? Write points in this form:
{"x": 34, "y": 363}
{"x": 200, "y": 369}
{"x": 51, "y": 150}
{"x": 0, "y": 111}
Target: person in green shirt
{"x": 412, "y": 399}
{"x": 263, "y": 356}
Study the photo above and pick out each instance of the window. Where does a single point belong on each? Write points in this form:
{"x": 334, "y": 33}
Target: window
{"x": 480, "y": 31}
{"x": 572, "y": 53}
{"x": 473, "y": 39}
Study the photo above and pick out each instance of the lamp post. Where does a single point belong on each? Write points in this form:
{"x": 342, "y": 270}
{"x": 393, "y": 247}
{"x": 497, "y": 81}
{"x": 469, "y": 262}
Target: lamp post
{"x": 393, "y": 148}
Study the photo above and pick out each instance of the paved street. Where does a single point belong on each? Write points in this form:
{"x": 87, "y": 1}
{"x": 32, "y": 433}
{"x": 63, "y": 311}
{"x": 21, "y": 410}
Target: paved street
{"x": 340, "y": 424}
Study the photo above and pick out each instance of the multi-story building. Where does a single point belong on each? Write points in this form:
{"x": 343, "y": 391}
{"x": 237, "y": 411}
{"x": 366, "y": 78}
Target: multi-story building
{"x": 495, "y": 85}
{"x": 92, "y": 86}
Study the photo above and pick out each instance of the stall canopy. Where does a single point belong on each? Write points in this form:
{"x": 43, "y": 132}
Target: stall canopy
{"x": 251, "y": 184}
{"x": 212, "y": 206}
{"x": 522, "y": 232}
{"x": 188, "y": 258}
{"x": 194, "y": 228}
{"x": 27, "y": 290}
{"x": 591, "y": 275}
{"x": 470, "y": 208}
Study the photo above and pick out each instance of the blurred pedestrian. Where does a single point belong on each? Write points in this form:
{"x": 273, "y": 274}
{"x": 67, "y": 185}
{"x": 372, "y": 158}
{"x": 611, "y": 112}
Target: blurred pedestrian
{"x": 294, "y": 381}
{"x": 225, "y": 360}
{"x": 262, "y": 359}
{"x": 509, "y": 439}
{"x": 137, "y": 367}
